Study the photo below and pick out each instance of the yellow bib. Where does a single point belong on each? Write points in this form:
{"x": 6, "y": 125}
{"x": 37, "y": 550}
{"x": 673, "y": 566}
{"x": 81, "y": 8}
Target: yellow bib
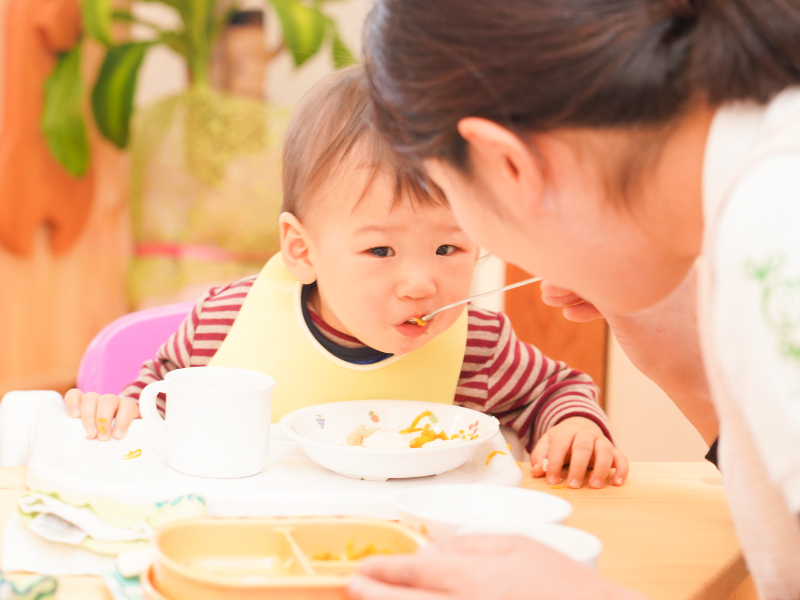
{"x": 271, "y": 336}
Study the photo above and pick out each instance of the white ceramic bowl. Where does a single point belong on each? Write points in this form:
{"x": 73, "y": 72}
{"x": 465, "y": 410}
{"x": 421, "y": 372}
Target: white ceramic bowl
{"x": 578, "y": 545}
{"x": 322, "y": 431}
{"x": 439, "y": 511}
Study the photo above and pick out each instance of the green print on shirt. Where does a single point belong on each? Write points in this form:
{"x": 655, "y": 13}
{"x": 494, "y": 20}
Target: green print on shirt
{"x": 780, "y": 302}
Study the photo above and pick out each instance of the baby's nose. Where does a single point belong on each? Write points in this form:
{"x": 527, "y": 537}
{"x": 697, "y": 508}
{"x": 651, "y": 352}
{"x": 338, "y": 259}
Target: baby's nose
{"x": 416, "y": 283}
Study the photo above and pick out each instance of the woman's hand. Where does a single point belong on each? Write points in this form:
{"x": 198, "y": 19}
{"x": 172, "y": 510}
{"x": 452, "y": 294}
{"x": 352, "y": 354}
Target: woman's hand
{"x": 581, "y": 443}
{"x": 97, "y": 413}
{"x": 480, "y": 567}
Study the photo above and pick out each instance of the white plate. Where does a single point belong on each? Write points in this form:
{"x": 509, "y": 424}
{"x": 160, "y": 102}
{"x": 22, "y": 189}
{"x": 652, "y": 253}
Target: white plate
{"x": 322, "y": 431}
{"x": 292, "y": 485}
{"x": 441, "y": 510}
{"x": 577, "y": 544}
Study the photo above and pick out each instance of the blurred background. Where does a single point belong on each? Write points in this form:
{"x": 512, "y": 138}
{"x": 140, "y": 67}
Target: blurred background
{"x": 139, "y": 165}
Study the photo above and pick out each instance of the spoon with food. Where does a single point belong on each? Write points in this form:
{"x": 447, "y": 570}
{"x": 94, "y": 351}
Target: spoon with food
{"x": 423, "y": 321}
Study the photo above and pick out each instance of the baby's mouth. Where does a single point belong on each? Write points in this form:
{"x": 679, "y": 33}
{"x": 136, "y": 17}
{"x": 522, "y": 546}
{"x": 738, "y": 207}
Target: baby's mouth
{"x": 417, "y": 321}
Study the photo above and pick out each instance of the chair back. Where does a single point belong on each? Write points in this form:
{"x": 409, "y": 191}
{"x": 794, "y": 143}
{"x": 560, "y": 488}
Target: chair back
{"x": 115, "y": 355}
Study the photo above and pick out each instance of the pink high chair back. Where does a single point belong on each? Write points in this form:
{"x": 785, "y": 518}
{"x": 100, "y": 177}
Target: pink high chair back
{"x": 115, "y": 355}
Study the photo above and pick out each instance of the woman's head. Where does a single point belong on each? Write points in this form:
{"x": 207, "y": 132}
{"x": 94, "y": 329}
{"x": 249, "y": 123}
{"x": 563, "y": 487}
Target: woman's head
{"x": 569, "y": 134}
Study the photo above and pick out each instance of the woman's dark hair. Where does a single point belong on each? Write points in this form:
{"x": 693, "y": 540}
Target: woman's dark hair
{"x": 536, "y": 65}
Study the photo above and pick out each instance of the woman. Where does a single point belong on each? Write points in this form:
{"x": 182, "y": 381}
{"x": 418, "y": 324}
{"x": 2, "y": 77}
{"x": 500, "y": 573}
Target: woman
{"x": 614, "y": 146}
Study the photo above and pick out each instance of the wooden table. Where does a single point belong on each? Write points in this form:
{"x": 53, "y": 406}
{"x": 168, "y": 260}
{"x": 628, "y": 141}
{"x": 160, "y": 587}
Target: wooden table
{"x": 666, "y": 533}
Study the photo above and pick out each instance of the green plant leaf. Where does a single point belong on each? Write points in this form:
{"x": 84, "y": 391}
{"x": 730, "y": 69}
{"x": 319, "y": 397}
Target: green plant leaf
{"x": 96, "y": 16}
{"x": 303, "y": 28}
{"x": 62, "y": 121}
{"x": 124, "y": 15}
{"x": 176, "y": 41}
{"x": 112, "y": 96}
{"x": 340, "y": 53}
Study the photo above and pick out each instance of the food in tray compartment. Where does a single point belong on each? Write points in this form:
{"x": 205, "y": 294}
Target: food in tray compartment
{"x": 259, "y": 568}
{"x": 352, "y": 553}
{"x": 412, "y": 436}
{"x": 244, "y": 568}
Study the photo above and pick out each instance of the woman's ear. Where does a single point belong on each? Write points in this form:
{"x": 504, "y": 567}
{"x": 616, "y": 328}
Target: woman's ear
{"x": 296, "y": 248}
{"x": 512, "y": 170}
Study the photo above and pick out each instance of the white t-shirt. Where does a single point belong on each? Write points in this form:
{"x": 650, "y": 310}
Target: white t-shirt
{"x": 750, "y": 326}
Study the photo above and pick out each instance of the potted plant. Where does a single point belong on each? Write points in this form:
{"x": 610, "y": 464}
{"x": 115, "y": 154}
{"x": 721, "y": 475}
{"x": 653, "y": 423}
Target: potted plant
{"x": 205, "y": 181}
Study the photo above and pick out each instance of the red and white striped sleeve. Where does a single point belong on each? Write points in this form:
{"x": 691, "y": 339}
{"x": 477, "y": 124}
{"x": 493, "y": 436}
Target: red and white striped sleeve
{"x": 197, "y": 339}
{"x": 519, "y": 385}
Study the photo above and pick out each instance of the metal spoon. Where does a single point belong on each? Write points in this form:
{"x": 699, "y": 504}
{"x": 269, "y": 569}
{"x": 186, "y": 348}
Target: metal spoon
{"x": 429, "y": 316}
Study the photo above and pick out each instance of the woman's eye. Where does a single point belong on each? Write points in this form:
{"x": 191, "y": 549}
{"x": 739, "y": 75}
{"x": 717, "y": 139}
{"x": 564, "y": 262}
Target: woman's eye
{"x": 382, "y": 251}
{"x": 445, "y": 250}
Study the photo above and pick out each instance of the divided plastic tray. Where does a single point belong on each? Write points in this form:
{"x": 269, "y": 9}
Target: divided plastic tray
{"x": 291, "y": 559}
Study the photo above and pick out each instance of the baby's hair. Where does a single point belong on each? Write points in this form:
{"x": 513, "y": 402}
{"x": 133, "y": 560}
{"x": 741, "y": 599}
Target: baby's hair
{"x": 332, "y": 123}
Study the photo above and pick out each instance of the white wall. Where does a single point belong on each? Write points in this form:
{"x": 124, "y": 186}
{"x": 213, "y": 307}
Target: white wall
{"x": 646, "y": 424}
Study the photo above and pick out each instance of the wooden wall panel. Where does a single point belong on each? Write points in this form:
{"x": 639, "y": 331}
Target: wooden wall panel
{"x": 581, "y": 345}
{"x": 51, "y": 307}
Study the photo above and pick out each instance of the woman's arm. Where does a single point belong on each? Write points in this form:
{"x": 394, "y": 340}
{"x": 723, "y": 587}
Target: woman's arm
{"x": 481, "y": 567}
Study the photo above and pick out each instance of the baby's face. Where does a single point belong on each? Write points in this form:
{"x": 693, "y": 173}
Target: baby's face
{"x": 378, "y": 266}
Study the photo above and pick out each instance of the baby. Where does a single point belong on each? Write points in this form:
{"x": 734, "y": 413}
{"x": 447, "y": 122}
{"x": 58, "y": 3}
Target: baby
{"x": 367, "y": 246}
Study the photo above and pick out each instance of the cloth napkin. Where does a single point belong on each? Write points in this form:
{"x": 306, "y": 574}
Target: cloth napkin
{"x": 27, "y": 587}
{"x": 56, "y": 534}
{"x": 100, "y": 524}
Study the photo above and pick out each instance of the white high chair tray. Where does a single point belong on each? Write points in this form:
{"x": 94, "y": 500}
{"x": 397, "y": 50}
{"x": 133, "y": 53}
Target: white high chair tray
{"x": 63, "y": 460}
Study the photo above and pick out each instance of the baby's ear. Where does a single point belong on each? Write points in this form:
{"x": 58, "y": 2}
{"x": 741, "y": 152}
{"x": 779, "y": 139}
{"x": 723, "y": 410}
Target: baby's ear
{"x": 295, "y": 246}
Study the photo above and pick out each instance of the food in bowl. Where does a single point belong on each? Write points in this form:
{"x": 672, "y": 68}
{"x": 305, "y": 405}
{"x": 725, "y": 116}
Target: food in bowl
{"x": 412, "y": 436}
{"x": 322, "y": 431}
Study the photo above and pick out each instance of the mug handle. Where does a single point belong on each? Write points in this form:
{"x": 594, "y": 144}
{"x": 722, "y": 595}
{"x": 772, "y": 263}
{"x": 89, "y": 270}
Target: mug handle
{"x": 147, "y": 405}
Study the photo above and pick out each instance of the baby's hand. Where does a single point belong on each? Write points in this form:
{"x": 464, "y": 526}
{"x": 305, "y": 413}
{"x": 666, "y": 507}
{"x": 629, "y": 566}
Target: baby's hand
{"x": 581, "y": 443}
{"x": 97, "y": 413}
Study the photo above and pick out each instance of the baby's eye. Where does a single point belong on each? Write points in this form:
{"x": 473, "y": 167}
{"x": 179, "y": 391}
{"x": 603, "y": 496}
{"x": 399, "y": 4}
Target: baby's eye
{"x": 382, "y": 251}
{"x": 445, "y": 250}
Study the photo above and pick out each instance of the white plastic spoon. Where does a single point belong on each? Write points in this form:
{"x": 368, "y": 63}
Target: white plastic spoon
{"x": 429, "y": 316}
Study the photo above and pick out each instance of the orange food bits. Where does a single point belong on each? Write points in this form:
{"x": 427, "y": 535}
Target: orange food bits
{"x": 427, "y": 435}
{"x": 132, "y": 454}
{"x": 493, "y": 454}
{"x": 413, "y": 427}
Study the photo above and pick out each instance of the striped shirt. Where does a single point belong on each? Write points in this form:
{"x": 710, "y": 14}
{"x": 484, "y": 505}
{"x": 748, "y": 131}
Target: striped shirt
{"x": 501, "y": 375}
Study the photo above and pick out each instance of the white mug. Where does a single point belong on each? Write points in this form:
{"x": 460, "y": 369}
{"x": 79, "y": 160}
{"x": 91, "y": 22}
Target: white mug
{"x": 217, "y": 420}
